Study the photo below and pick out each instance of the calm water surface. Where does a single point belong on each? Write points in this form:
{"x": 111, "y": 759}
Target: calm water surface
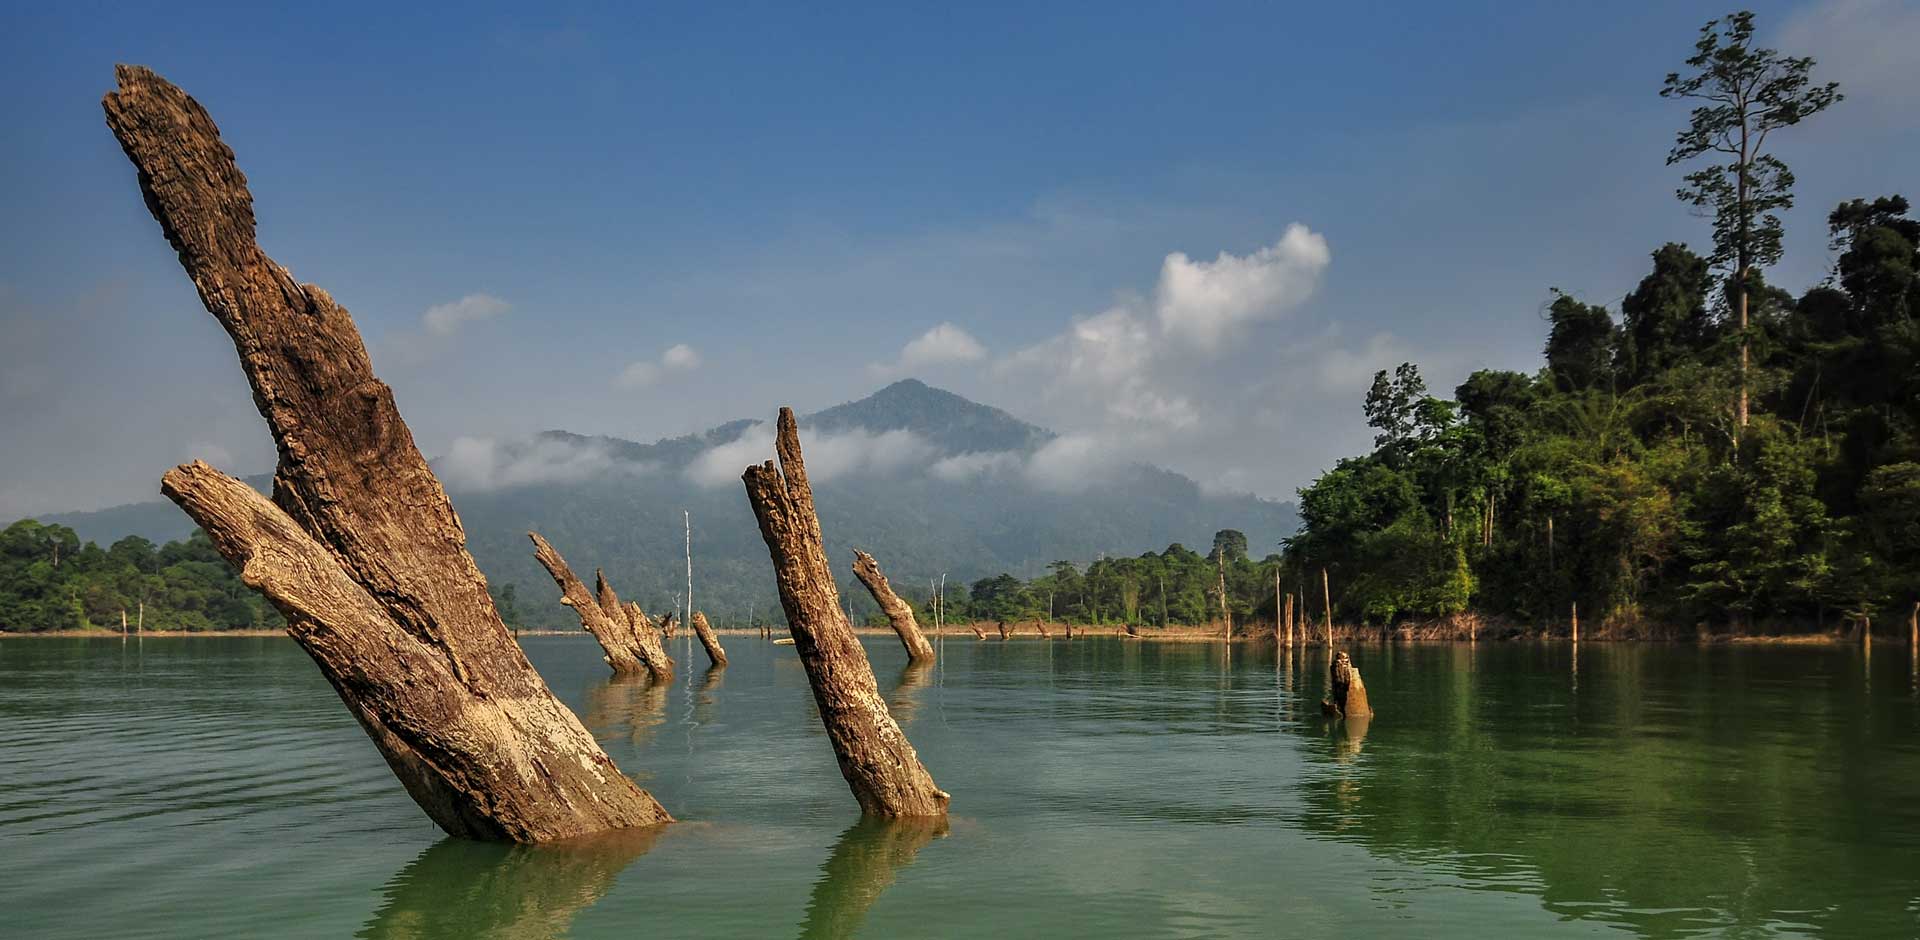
{"x": 217, "y": 788}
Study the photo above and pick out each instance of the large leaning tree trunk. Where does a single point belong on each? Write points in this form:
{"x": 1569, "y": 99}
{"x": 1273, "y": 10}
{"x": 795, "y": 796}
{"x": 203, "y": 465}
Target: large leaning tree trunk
{"x": 899, "y": 613}
{"x": 359, "y": 548}
{"x": 716, "y": 656}
{"x": 624, "y": 641}
{"x": 880, "y": 765}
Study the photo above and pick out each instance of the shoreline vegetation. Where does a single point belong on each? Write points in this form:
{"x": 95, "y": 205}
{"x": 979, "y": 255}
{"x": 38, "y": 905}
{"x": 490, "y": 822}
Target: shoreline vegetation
{"x": 1250, "y": 635}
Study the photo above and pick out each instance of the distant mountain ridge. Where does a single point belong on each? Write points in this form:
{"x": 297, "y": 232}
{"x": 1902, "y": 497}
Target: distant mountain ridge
{"x": 925, "y": 479}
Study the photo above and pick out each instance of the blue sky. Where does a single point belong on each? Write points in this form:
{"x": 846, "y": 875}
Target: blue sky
{"x": 645, "y": 222}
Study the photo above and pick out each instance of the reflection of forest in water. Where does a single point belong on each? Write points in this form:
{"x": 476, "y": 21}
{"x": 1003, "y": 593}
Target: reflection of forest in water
{"x": 1629, "y": 784}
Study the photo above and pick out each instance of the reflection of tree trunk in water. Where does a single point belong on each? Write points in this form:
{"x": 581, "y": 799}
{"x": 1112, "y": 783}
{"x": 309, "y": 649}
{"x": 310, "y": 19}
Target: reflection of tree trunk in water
{"x": 879, "y": 763}
{"x": 866, "y": 860}
{"x": 1348, "y": 736}
{"x": 359, "y": 548}
{"x": 905, "y": 700}
{"x": 637, "y": 703}
{"x": 473, "y": 889}
{"x": 704, "y": 697}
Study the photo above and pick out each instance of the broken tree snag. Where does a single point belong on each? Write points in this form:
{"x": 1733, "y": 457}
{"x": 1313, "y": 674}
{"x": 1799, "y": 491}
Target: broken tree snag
{"x": 978, "y": 633}
{"x": 880, "y": 765}
{"x": 1346, "y": 694}
{"x": 507, "y": 764}
{"x": 616, "y": 638}
{"x": 704, "y": 630}
{"x": 359, "y": 547}
{"x": 652, "y": 648}
{"x": 898, "y": 612}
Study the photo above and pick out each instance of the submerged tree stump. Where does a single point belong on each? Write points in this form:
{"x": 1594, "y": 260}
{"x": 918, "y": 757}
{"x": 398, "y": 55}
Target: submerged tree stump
{"x": 1346, "y": 694}
{"x": 880, "y": 765}
{"x": 899, "y": 612}
{"x": 978, "y": 633}
{"x": 715, "y": 655}
{"x": 600, "y": 613}
{"x": 359, "y": 547}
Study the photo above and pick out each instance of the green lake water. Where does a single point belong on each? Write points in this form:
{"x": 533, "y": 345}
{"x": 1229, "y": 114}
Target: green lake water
{"x": 217, "y": 788}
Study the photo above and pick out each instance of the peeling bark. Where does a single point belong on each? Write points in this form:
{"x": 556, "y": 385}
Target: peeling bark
{"x": 875, "y": 757}
{"x": 899, "y": 612}
{"x": 359, "y": 547}
{"x": 715, "y": 655}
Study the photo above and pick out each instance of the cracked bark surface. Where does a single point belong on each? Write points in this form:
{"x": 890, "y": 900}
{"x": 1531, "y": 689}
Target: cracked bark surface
{"x": 359, "y": 547}
{"x": 899, "y": 612}
{"x": 877, "y": 760}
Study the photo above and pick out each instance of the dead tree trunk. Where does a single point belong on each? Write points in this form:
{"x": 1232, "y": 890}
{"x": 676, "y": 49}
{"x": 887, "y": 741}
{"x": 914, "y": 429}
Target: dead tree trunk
{"x": 876, "y": 758}
{"x": 1006, "y": 632}
{"x": 600, "y": 613}
{"x": 715, "y": 655}
{"x": 898, "y": 612}
{"x": 359, "y": 548}
{"x": 1346, "y": 694}
{"x": 978, "y": 633}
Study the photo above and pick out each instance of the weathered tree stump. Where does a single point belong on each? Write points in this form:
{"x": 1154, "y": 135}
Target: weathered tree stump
{"x": 978, "y": 633}
{"x": 715, "y": 655}
{"x": 1006, "y": 632}
{"x": 1346, "y": 694}
{"x": 359, "y": 548}
{"x": 880, "y": 765}
{"x": 899, "y": 612}
{"x": 600, "y": 613}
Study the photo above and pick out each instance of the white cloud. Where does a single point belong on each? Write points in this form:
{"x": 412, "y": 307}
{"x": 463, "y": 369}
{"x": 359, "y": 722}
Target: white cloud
{"x": 1204, "y": 302}
{"x": 678, "y": 358}
{"x": 1865, "y": 45}
{"x": 945, "y": 344}
{"x": 842, "y": 453}
{"x": 482, "y": 463}
{"x": 974, "y": 465}
{"x": 445, "y": 319}
{"x": 1141, "y": 369}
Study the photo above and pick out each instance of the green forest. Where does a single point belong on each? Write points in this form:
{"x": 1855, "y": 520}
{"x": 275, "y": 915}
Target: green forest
{"x": 50, "y": 581}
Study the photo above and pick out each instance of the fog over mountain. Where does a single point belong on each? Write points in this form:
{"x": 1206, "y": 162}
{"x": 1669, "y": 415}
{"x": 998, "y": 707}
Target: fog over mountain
{"x": 928, "y": 481}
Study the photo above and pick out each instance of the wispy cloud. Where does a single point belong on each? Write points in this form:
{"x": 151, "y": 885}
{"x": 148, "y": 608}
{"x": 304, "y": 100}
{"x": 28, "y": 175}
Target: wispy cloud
{"x": 447, "y": 319}
{"x": 841, "y": 453}
{"x": 945, "y": 344}
{"x": 678, "y": 358}
{"x": 484, "y": 463}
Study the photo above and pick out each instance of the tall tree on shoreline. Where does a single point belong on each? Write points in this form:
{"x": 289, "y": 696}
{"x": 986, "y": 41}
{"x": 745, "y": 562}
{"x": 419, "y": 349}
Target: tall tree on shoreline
{"x": 1745, "y": 95}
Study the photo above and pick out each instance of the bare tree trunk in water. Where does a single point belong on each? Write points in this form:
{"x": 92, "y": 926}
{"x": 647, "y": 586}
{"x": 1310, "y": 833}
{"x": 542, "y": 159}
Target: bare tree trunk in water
{"x": 1346, "y": 694}
{"x": 601, "y": 617}
{"x": 704, "y": 630}
{"x": 899, "y": 612}
{"x": 1326, "y": 593}
{"x": 876, "y": 758}
{"x": 978, "y": 633}
{"x": 359, "y": 548}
